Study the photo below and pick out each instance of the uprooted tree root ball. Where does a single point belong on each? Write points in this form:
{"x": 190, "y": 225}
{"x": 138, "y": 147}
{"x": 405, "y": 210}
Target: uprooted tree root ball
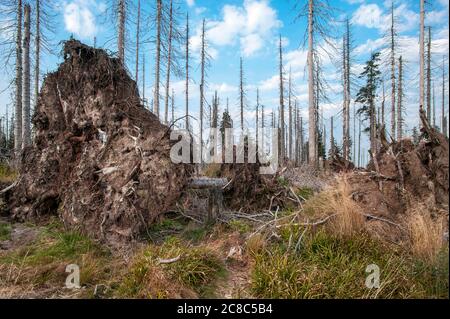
{"x": 403, "y": 174}
{"x": 99, "y": 158}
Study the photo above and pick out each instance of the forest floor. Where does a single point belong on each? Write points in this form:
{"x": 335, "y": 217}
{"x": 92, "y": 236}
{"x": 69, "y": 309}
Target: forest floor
{"x": 180, "y": 258}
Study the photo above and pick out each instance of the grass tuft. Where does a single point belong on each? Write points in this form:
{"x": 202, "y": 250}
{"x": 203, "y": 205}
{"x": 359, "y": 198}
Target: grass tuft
{"x": 330, "y": 266}
{"x": 191, "y": 274}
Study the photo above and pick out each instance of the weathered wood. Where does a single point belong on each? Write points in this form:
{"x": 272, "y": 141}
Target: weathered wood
{"x": 207, "y": 183}
{"x": 214, "y": 188}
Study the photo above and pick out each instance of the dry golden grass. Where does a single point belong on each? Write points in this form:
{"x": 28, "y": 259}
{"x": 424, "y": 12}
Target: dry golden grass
{"x": 336, "y": 202}
{"x": 255, "y": 244}
{"x": 426, "y": 233}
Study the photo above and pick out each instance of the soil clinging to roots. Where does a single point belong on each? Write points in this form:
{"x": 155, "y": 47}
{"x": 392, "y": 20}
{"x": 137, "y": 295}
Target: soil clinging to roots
{"x": 100, "y": 160}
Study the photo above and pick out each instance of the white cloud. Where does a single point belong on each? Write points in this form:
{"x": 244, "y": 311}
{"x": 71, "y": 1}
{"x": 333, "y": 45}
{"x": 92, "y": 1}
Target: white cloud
{"x": 373, "y": 17}
{"x": 368, "y": 15}
{"x": 190, "y": 3}
{"x": 370, "y": 46}
{"x": 250, "y": 25}
{"x": 270, "y": 84}
{"x": 79, "y": 18}
{"x": 251, "y": 43}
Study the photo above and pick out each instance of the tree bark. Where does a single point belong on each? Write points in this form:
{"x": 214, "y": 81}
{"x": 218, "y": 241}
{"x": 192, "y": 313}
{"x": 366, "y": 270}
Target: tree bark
{"x": 400, "y": 99}
{"x": 143, "y": 79}
{"x": 257, "y": 120}
{"x": 290, "y": 116}
{"x": 138, "y": 33}
{"x": 158, "y": 57}
{"x": 443, "y": 121}
{"x": 282, "y": 132}
{"x": 312, "y": 145}
{"x": 38, "y": 53}
{"x": 202, "y": 92}
{"x": 241, "y": 94}
{"x": 429, "y": 76}
{"x": 121, "y": 27}
{"x": 345, "y": 113}
{"x": 187, "y": 74}
{"x": 422, "y": 57}
{"x": 18, "y": 102}
{"x": 169, "y": 62}
{"x": 393, "y": 120}
{"x": 26, "y": 124}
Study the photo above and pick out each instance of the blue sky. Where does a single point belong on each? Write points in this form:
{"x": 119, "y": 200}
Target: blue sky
{"x": 250, "y": 28}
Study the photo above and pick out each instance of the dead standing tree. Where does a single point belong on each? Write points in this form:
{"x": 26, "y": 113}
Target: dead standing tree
{"x": 204, "y": 65}
{"x": 26, "y": 102}
{"x": 121, "y": 9}
{"x": 428, "y": 92}
{"x": 282, "y": 146}
{"x": 347, "y": 63}
{"x": 138, "y": 40}
{"x": 319, "y": 39}
{"x": 18, "y": 108}
{"x": 422, "y": 55}
{"x": 400, "y": 100}
{"x": 392, "y": 60}
{"x": 173, "y": 37}
{"x": 241, "y": 94}
{"x": 187, "y": 72}
{"x": 159, "y": 9}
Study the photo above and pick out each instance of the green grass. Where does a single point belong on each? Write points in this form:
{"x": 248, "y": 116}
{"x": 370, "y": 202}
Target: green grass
{"x": 5, "y": 231}
{"x": 197, "y": 269}
{"x": 43, "y": 262}
{"x": 240, "y": 226}
{"x": 331, "y": 267}
{"x": 305, "y": 193}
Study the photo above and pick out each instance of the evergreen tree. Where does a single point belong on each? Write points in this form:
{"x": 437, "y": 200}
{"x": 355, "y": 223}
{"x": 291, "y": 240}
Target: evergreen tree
{"x": 367, "y": 95}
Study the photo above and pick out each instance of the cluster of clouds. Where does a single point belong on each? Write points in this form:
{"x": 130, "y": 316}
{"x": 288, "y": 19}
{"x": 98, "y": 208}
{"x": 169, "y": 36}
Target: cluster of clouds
{"x": 250, "y": 26}
{"x": 80, "y": 17}
{"x": 253, "y": 26}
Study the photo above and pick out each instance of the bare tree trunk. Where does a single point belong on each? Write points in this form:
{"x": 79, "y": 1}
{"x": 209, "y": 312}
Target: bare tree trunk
{"x": 121, "y": 28}
{"x": 173, "y": 106}
{"x": 38, "y": 53}
{"x": 262, "y": 126}
{"x": 422, "y": 51}
{"x": 138, "y": 33}
{"x": 257, "y": 118}
{"x": 359, "y": 141}
{"x": 434, "y": 107}
{"x": 295, "y": 133}
{"x": 290, "y": 115}
{"x": 215, "y": 116}
{"x": 383, "y": 108}
{"x": 312, "y": 145}
{"x": 302, "y": 141}
{"x": 158, "y": 57}
{"x": 241, "y": 94}
{"x": 282, "y": 133}
{"x": 18, "y": 102}
{"x": 373, "y": 129}
{"x": 443, "y": 121}
{"x": 332, "y": 137}
{"x": 202, "y": 87}
{"x": 348, "y": 88}
{"x": 187, "y": 72}
{"x": 354, "y": 133}
{"x": 169, "y": 62}
{"x": 400, "y": 99}
{"x": 26, "y": 125}
{"x": 429, "y": 76}
{"x": 143, "y": 78}
{"x": 346, "y": 103}
{"x": 393, "y": 120}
